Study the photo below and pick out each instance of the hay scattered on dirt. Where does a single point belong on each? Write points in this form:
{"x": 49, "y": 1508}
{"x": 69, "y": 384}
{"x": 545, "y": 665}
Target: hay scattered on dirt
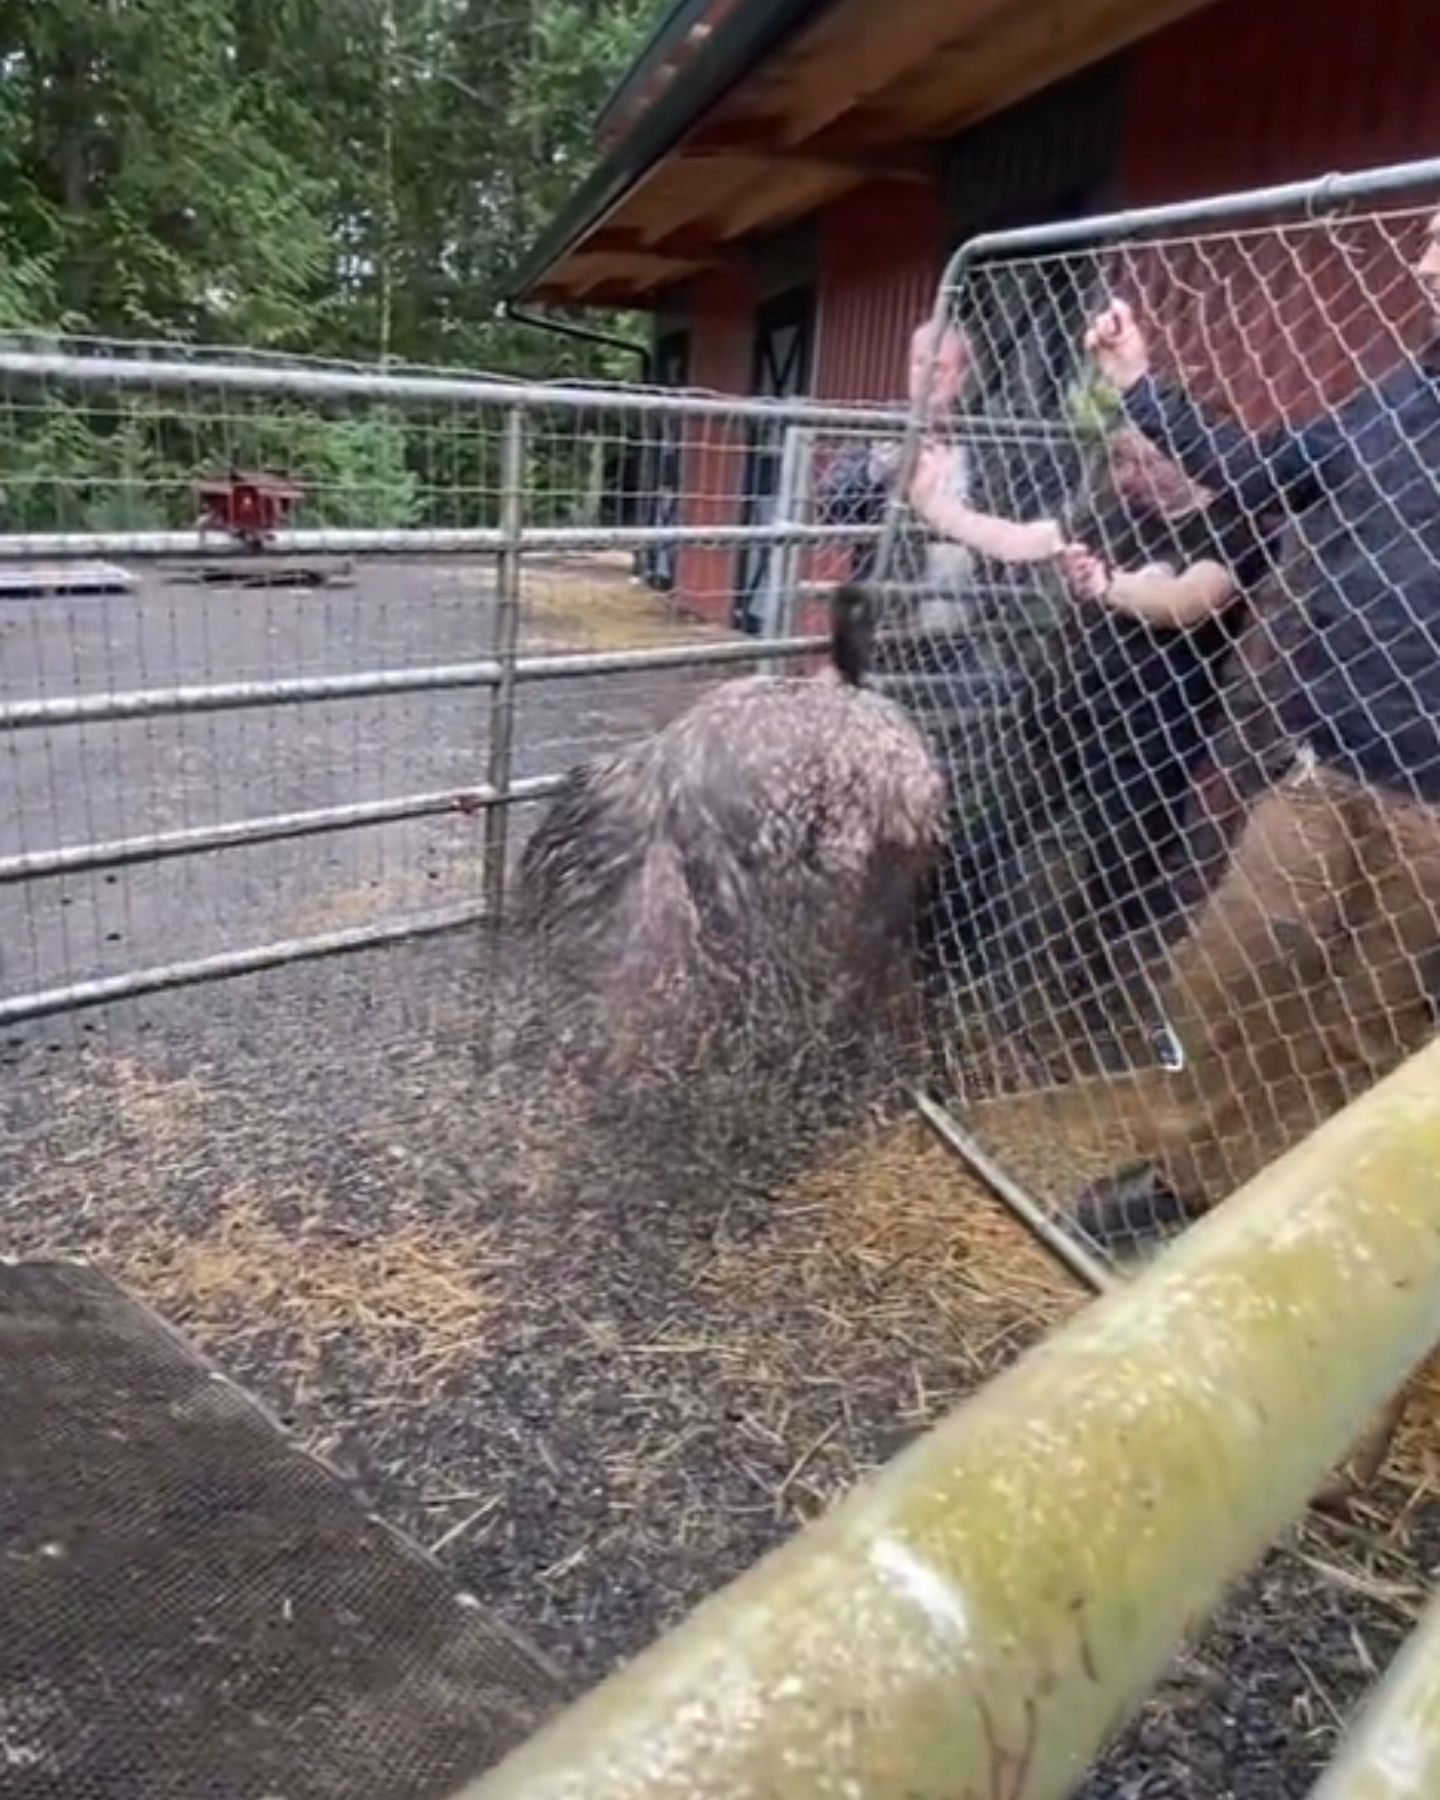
{"x": 902, "y": 1202}
{"x": 1056, "y": 1139}
{"x": 420, "y": 1300}
{"x": 601, "y": 1372}
{"x": 589, "y": 605}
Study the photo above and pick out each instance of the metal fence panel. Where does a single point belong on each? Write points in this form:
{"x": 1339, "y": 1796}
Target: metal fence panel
{"x": 445, "y": 536}
{"x": 1192, "y": 901}
{"x": 306, "y": 769}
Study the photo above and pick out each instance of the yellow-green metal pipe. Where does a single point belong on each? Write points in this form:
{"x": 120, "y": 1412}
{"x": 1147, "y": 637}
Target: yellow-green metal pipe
{"x": 974, "y": 1623}
{"x": 1393, "y": 1753}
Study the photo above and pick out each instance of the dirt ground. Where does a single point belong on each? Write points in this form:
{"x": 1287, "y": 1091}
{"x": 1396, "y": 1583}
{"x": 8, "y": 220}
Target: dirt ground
{"x": 598, "y": 1364}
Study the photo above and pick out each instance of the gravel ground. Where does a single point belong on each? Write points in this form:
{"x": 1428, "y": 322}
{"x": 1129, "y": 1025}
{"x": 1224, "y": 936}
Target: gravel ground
{"x": 600, "y": 1362}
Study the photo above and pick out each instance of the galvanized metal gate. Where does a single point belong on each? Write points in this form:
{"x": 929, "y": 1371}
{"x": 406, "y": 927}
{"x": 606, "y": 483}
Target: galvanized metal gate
{"x": 1117, "y": 909}
{"x": 494, "y": 522}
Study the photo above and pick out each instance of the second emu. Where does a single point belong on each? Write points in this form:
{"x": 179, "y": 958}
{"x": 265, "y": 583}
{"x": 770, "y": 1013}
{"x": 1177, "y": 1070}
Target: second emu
{"x": 753, "y": 866}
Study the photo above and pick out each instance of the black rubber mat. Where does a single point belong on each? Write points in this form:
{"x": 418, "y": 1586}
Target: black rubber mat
{"x": 194, "y": 1607}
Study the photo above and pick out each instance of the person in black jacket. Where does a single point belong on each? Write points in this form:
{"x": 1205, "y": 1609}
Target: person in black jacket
{"x": 1313, "y": 968}
{"x": 1105, "y": 751}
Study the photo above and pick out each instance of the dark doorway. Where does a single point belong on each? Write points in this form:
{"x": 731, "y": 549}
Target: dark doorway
{"x": 779, "y": 369}
{"x": 663, "y": 467}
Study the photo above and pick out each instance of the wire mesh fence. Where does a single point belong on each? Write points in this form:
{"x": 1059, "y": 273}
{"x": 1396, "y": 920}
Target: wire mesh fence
{"x": 1190, "y": 904}
{"x": 261, "y": 625}
{"x": 295, "y": 655}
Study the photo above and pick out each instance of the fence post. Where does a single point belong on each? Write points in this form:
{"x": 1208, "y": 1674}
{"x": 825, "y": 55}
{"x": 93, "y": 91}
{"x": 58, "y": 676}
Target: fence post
{"x": 777, "y": 610}
{"x": 1393, "y": 1751}
{"x": 509, "y": 572}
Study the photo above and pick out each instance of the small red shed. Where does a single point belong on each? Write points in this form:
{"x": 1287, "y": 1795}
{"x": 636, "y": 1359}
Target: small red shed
{"x": 251, "y": 506}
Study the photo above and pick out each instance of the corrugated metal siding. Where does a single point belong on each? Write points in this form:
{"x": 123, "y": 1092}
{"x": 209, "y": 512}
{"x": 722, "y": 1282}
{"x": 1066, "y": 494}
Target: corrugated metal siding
{"x": 1277, "y": 326}
{"x": 880, "y": 253}
{"x": 881, "y": 248}
{"x": 1242, "y": 94}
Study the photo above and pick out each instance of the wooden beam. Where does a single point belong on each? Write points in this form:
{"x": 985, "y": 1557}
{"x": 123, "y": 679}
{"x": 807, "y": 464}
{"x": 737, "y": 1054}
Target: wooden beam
{"x": 864, "y": 130}
{"x": 784, "y": 197}
{"x": 900, "y": 165}
{"x": 752, "y": 133}
{"x": 629, "y": 293}
{"x": 699, "y": 243}
{"x": 589, "y": 284}
{"x": 892, "y": 41}
{"x": 688, "y": 245}
{"x": 678, "y": 196}
{"x": 1022, "y": 54}
{"x": 684, "y": 244}
{"x": 611, "y": 240}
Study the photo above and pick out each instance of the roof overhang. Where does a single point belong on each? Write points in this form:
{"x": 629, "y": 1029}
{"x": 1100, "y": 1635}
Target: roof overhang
{"x": 787, "y": 104}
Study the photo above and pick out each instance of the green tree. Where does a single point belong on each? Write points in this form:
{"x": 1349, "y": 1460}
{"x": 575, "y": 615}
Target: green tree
{"x": 343, "y": 178}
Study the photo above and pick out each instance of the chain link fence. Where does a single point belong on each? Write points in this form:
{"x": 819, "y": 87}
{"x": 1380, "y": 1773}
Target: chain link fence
{"x": 1191, "y": 905}
{"x": 295, "y": 654}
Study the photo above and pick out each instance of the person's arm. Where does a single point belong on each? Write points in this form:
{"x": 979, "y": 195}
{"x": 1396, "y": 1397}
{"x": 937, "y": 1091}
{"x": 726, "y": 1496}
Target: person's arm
{"x": 1283, "y": 464}
{"x": 1157, "y": 595}
{"x": 1006, "y": 540}
{"x": 1179, "y": 601}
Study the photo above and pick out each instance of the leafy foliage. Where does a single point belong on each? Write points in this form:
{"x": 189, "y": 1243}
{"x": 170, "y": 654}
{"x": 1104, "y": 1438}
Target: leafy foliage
{"x": 343, "y": 178}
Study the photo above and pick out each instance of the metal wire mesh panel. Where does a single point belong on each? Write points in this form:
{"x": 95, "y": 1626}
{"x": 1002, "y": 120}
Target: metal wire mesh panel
{"x": 193, "y": 1606}
{"x": 381, "y": 1186}
{"x": 1191, "y": 901}
{"x": 275, "y": 1049}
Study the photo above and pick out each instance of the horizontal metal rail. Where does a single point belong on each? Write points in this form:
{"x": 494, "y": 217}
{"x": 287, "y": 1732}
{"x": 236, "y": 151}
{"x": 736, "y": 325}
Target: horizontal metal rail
{"x": 157, "y": 372}
{"x": 567, "y": 666}
{"x": 196, "y": 840}
{"x": 982, "y": 1616}
{"x": 236, "y": 696}
{"x": 1322, "y": 194}
{"x": 417, "y": 541}
{"x": 1393, "y": 1751}
{"x": 76, "y": 996}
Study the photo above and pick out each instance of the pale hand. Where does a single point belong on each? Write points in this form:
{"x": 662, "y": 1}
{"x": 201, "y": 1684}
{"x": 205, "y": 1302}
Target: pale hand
{"x": 1118, "y": 346}
{"x": 1086, "y": 575}
{"x": 1044, "y": 540}
{"x": 931, "y": 478}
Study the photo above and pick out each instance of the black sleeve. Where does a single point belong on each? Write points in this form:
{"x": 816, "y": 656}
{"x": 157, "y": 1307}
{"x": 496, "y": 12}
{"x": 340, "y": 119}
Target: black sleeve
{"x": 1113, "y": 531}
{"x": 1224, "y": 533}
{"x": 1260, "y": 469}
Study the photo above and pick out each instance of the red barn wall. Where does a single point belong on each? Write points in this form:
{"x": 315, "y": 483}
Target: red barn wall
{"x": 880, "y": 253}
{"x": 1235, "y": 96}
{"x": 881, "y": 248}
{"x": 720, "y": 309}
{"x": 1242, "y": 95}
{"x": 1280, "y": 324}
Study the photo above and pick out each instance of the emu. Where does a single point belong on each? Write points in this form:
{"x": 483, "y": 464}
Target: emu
{"x": 772, "y": 841}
